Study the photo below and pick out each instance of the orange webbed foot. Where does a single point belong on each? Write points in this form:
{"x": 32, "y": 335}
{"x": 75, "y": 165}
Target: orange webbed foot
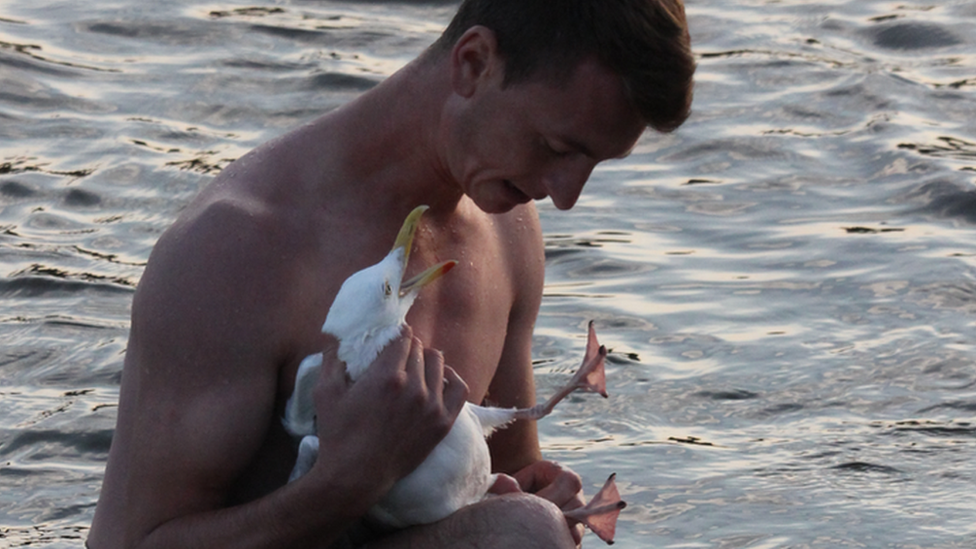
{"x": 600, "y": 514}
{"x": 592, "y": 375}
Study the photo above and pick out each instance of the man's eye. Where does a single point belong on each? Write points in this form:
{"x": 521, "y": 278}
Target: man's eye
{"x": 548, "y": 148}
{"x": 555, "y": 152}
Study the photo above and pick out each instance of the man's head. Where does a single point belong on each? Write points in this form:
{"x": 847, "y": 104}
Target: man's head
{"x": 646, "y": 42}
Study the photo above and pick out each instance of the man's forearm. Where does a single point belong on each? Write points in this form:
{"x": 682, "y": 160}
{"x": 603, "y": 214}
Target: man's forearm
{"x": 297, "y": 515}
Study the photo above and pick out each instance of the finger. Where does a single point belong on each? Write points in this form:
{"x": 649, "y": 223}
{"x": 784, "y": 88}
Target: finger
{"x": 331, "y": 382}
{"x": 333, "y": 369}
{"x": 537, "y": 475}
{"x": 455, "y": 391}
{"x": 504, "y": 484}
{"x": 553, "y": 482}
{"x": 434, "y": 373}
{"x": 565, "y": 491}
{"x": 577, "y": 531}
{"x": 393, "y": 358}
{"x": 414, "y": 367}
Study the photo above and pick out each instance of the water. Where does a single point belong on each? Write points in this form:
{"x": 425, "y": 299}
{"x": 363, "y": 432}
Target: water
{"x": 787, "y": 283}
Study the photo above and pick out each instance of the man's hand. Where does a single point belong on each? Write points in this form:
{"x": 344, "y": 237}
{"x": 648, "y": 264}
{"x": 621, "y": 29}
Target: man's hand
{"x": 557, "y": 484}
{"x": 382, "y": 427}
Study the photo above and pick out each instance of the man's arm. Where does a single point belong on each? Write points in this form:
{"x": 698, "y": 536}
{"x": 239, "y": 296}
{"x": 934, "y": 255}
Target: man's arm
{"x": 515, "y": 450}
{"x": 513, "y": 385}
{"x": 352, "y": 475}
{"x": 198, "y": 399}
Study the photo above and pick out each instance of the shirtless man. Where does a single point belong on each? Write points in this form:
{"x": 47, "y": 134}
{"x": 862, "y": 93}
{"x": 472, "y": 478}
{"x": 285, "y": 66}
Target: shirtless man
{"x": 518, "y": 101}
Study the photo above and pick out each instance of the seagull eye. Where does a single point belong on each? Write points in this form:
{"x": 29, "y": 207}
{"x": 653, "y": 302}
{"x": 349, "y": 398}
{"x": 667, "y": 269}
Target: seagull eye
{"x": 387, "y": 289}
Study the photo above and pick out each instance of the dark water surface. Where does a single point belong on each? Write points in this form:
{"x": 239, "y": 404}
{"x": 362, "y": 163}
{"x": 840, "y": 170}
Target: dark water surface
{"x": 787, "y": 283}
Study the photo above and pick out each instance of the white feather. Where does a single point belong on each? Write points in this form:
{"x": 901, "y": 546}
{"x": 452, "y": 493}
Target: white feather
{"x": 367, "y": 314}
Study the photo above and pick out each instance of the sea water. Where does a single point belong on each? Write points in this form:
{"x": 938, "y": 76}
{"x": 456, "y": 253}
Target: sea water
{"x": 786, "y": 283}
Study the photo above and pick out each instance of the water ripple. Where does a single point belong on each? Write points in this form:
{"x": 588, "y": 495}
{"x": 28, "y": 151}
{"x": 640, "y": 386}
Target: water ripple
{"x": 787, "y": 282}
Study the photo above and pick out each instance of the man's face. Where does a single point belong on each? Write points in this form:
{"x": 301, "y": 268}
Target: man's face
{"x": 540, "y": 138}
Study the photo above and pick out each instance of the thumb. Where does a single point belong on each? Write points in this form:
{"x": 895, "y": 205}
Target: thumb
{"x": 333, "y": 369}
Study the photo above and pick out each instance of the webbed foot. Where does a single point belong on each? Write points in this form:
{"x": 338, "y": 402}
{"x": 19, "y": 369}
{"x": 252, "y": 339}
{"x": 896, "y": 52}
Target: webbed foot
{"x": 600, "y": 514}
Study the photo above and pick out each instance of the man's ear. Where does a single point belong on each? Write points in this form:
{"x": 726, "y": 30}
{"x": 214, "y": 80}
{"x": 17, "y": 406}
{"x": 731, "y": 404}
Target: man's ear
{"x": 475, "y": 60}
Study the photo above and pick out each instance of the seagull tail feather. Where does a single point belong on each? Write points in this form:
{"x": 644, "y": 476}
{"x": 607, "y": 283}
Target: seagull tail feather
{"x": 493, "y": 418}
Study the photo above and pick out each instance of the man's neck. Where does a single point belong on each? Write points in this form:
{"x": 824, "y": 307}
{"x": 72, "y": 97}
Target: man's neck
{"x": 386, "y": 147}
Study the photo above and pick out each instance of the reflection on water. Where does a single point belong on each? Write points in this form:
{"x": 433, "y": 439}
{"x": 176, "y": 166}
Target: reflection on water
{"x": 786, "y": 283}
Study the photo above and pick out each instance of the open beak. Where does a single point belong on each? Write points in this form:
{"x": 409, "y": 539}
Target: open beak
{"x": 426, "y": 277}
{"x": 404, "y": 241}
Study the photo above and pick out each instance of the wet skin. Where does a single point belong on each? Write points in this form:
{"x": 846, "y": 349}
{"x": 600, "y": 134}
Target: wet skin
{"x": 236, "y": 291}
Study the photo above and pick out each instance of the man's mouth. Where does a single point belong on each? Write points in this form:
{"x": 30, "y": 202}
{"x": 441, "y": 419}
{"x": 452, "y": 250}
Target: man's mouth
{"x": 517, "y": 195}
{"x": 522, "y": 197}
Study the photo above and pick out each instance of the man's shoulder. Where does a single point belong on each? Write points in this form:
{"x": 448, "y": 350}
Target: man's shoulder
{"x": 524, "y": 217}
{"x": 520, "y": 251}
{"x": 226, "y": 252}
{"x": 521, "y": 234}
{"x": 212, "y": 234}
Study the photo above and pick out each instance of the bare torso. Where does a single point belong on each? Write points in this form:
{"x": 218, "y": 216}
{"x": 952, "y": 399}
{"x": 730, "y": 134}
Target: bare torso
{"x": 254, "y": 232}
{"x": 465, "y": 315}
{"x": 236, "y": 291}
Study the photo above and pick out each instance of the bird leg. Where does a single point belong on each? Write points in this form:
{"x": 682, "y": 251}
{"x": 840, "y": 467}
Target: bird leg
{"x": 590, "y": 377}
{"x": 600, "y": 514}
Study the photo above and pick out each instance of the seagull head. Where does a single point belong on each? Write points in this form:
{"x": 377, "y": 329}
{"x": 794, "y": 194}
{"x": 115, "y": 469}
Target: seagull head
{"x": 371, "y": 307}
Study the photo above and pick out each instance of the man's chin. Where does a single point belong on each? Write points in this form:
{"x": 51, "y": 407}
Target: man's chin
{"x": 497, "y": 203}
{"x": 515, "y": 194}
{"x": 495, "y": 207}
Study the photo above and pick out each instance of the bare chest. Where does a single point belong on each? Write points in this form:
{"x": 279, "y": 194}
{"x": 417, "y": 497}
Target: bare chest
{"x": 466, "y": 318}
{"x": 465, "y": 315}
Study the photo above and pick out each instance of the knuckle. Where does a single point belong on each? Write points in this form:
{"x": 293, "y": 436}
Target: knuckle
{"x": 419, "y": 400}
{"x": 441, "y": 423}
{"x": 395, "y": 383}
{"x": 574, "y": 481}
{"x": 437, "y": 357}
{"x": 569, "y": 479}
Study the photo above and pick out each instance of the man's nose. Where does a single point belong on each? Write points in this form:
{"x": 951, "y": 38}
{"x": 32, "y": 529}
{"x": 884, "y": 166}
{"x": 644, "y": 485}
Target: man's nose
{"x": 564, "y": 182}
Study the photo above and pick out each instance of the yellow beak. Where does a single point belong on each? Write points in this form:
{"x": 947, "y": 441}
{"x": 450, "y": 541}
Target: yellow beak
{"x": 404, "y": 241}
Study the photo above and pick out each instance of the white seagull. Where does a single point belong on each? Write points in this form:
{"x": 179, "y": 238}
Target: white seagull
{"x": 368, "y": 312}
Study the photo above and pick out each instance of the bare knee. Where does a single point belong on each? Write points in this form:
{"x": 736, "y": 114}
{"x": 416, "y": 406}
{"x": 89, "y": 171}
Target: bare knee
{"x": 523, "y": 520}
{"x": 501, "y": 522}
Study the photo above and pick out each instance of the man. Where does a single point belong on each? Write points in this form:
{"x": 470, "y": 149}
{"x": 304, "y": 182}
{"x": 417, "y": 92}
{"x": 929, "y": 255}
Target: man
{"x": 519, "y": 100}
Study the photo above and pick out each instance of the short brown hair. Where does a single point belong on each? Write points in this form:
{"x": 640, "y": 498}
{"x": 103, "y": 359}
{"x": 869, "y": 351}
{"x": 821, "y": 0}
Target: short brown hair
{"x": 646, "y": 42}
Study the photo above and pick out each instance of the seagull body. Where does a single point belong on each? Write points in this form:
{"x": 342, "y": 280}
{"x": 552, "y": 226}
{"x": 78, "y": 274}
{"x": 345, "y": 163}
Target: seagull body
{"x": 368, "y": 312}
